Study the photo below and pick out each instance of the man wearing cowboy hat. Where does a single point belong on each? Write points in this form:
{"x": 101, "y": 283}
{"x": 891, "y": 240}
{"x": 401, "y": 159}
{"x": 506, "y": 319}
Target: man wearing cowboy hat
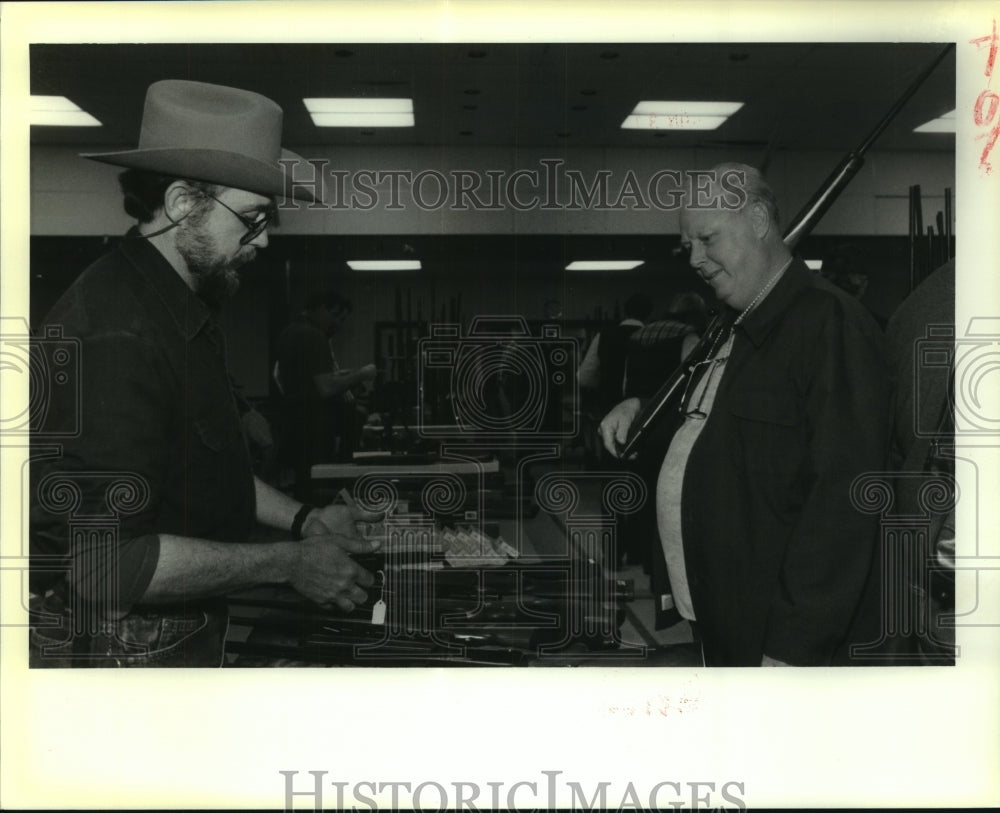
{"x": 140, "y": 523}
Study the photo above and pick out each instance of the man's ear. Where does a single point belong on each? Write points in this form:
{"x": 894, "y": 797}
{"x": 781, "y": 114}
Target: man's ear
{"x": 179, "y": 200}
{"x": 760, "y": 219}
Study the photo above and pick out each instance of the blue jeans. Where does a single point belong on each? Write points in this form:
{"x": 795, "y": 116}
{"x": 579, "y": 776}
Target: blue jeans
{"x": 148, "y": 636}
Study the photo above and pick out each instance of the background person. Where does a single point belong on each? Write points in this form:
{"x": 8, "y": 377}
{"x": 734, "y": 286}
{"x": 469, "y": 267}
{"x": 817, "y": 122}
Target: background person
{"x": 319, "y": 412}
{"x": 604, "y": 371}
{"x": 923, "y": 436}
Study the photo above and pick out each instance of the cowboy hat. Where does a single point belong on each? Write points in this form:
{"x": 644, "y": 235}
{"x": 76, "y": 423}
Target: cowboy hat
{"x": 210, "y": 133}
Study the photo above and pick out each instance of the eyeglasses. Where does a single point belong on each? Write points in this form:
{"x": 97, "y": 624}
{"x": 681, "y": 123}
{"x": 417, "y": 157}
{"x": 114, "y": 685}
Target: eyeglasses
{"x": 722, "y": 333}
{"x": 698, "y": 413}
{"x": 254, "y": 227}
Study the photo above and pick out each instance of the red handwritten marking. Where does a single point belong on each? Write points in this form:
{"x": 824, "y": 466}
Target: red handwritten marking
{"x": 992, "y": 40}
{"x": 988, "y": 103}
{"x": 984, "y": 119}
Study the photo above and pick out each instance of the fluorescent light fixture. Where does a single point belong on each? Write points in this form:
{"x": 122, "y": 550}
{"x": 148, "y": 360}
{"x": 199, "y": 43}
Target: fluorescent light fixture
{"x": 942, "y": 124}
{"x": 666, "y": 115}
{"x": 814, "y": 265}
{"x": 673, "y": 122}
{"x": 363, "y": 119}
{"x": 360, "y": 112}
{"x": 604, "y": 265}
{"x": 58, "y": 111}
{"x": 384, "y": 265}
{"x": 686, "y": 108}
{"x": 358, "y": 105}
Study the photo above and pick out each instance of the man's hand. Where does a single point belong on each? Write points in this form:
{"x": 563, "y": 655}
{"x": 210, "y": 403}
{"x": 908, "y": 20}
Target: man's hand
{"x": 325, "y": 573}
{"x": 615, "y": 425}
{"x": 337, "y": 519}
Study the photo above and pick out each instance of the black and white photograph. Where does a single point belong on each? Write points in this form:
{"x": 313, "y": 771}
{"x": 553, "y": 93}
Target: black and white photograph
{"x": 446, "y": 407}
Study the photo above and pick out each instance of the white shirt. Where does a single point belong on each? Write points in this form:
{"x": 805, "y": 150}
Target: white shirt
{"x": 669, "y": 486}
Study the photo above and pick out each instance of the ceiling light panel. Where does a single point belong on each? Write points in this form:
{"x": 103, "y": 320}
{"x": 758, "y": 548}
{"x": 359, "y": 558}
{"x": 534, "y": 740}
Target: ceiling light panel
{"x": 687, "y": 108}
{"x": 58, "y": 111}
{"x": 360, "y": 112}
{"x": 942, "y": 124}
{"x": 679, "y": 115}
{"x": 604, "y": 265}
{"x": 384, "y": 265}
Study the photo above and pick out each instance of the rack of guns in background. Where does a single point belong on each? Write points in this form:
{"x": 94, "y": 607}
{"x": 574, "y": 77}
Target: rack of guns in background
{"x": 930, "y": 250}
{"x": 397, "y": 355}
{"x": 399, "y": 349}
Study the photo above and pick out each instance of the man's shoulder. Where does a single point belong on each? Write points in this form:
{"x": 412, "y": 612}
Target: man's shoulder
{"x": 930, "y": 303}
{"x": 298, "y": 333}
{"x": 299, "y": 326}
{"x": 616, "y": 334}
{"x": 105, "y": 297}
{"x": 822, "y": 301}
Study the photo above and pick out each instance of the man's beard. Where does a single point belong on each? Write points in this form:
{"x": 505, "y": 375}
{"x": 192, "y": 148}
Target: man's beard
{"x": 215, "y": 278}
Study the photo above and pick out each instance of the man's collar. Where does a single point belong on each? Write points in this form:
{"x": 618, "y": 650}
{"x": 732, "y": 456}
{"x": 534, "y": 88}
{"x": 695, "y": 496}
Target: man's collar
{"x": 185, "y": 307}
{"x": 762, "y": 319}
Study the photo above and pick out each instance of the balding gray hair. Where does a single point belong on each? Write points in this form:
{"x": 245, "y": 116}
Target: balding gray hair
{"x": 752, "y": 182}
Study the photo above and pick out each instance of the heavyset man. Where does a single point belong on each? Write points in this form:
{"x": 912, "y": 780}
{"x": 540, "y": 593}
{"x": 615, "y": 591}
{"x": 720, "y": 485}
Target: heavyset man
{"x": 158, "y": 417}
{"x": 767, "y": 554}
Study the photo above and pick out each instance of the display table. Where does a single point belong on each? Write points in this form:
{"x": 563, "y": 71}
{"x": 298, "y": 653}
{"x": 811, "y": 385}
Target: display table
{"x": 532, "y": 608}
{"x": 466, "y": 579}
{"x": 364, "y": 467}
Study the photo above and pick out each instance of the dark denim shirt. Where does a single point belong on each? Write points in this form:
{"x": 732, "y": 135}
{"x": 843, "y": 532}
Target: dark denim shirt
{"x": 160, "y": 448}
{"x": 778, "y": 552}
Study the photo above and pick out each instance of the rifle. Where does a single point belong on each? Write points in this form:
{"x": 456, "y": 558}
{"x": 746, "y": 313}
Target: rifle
{"x": 803, "y": 223}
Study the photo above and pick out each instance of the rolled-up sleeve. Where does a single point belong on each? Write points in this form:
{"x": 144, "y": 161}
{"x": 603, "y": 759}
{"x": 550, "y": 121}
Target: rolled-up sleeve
{"x": 95, "y": 500}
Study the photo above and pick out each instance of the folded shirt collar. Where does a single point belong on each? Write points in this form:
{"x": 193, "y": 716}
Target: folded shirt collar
{"x": 763, "y": 318}
{"x": 188, "y": 312}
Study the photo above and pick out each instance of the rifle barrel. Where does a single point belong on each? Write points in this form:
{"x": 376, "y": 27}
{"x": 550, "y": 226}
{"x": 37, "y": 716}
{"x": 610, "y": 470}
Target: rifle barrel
{"x": 802, "y": 224}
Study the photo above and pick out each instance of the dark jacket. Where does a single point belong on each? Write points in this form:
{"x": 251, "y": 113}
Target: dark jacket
{"x": 157, "y": 416}
{"x": 777, "y": 552}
